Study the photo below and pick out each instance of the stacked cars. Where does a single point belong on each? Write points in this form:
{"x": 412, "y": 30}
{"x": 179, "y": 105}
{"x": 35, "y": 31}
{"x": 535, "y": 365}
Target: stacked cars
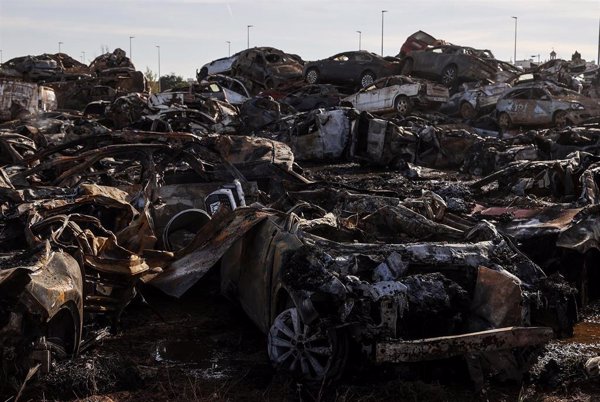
{"x": 355, "y": 219}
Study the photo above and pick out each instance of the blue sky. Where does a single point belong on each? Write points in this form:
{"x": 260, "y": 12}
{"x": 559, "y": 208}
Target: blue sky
{"x": 193, "y": 32}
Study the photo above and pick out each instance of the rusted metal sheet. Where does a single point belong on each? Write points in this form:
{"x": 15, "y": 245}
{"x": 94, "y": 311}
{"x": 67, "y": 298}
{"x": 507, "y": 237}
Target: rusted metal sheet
{"x": 211, "y": 242}
{"x": 464, "y": 344}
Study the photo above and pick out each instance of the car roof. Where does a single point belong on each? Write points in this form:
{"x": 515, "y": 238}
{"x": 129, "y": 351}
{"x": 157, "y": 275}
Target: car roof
{"x": 357, "y": 52}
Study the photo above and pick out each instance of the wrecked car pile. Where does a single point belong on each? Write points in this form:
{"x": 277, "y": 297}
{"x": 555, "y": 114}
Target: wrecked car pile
{"x": 381, "y": 230}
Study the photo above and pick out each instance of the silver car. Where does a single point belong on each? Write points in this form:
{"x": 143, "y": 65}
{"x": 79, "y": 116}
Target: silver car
{"x": 541, "y": 103}
{"x": 398, "y": 93}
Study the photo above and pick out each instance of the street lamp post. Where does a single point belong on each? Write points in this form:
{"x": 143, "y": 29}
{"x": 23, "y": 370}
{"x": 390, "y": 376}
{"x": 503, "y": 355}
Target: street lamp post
{"x": 248, "y": 36}
{"x": 382, "y": 12}
{"x": 130, "y": 53}
{"x": 158, "y": 47}
{"x": 515, "y": 52}
{"x": 83, "y": 57}
{"x": 0, "y": 56}
{"x": 228, "y": 48}
{"x": 359, "y": 38}
{"x": 59, "y": 43}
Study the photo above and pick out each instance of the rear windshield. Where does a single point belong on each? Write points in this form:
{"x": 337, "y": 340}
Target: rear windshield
{"x": 423, "y": 37}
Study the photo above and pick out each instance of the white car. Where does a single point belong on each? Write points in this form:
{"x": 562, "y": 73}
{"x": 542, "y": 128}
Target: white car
{"x": 219, "y": 66}
{"x": 398, "y": 93}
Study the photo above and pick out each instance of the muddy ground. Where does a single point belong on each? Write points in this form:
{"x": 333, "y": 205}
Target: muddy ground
{"x": 203, "y": 347}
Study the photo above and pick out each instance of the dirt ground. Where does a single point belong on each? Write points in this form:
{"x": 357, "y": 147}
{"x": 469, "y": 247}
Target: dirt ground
{"x": 202, "y": 347}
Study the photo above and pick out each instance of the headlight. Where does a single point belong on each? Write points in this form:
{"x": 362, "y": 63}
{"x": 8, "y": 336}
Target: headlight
{"x": 577, "y": 106}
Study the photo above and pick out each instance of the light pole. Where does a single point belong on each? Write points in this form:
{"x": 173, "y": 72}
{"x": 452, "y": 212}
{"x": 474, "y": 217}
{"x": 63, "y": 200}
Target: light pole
{"x": 382, "y": 12}
{"x": 359, "y": 38}
{"x": 228, "y": 48}
{"x": 130, "y": 54}
{"x": 83, "y": 57}
{"x": 0, "y": 57}
{"x": 158, "y": 47}
{"x": 59, "y": 43}
{"x": 248, "y": 36}
{"x": 515, "y": 52}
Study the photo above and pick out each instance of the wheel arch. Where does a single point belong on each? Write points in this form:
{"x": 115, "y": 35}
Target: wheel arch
{"x": 67, "y": 325}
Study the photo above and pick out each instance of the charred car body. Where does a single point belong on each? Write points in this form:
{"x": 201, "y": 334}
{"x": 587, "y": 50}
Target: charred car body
{"x": 313, "y": 295}
{"x": 418, "y": 41}
{"x": 452, "y": 64}
{"x": 267, "y": 67}
{"x": 475, "y": 99}
{"x": 41, "y": 309}
{"x": 407, "y": 238}
{"x": 543, "y": 103}
{"x": 20, "y": 99}
{"x": 312, "y": 97}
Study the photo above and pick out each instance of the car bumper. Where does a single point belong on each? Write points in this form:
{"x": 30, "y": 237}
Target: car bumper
{"x": 397, "y": 351}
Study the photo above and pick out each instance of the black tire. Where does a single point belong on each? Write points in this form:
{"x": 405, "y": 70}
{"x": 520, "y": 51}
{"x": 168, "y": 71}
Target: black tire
{"x": 403, "y": 105}
{"x": 449, "y": 75}
{"x": 407, "y": 67}
{"x": 312, "y": 76}
{"x": 306, "y": 351}
{"x": 467, "y": 111}
{"x": 504, "y": 121}
{"x": 367, "y": 78}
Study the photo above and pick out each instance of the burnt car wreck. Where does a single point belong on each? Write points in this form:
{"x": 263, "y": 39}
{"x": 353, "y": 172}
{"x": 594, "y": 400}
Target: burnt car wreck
{"x": 392, "y": 222}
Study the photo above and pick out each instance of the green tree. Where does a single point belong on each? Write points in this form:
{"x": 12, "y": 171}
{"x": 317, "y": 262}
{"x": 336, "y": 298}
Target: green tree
{"x": 171, "y": 81}
{"x": 152, "y": 80}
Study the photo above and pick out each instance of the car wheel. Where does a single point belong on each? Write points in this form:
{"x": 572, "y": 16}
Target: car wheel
{"x": 312, "y": 76}
{"x": 560, "y": 118}
{"x": 407, "y": 67}
{"x": 504, "y": 121}
{"x": 367, "y": 78}
{"x": 467, "y": 111}
{"x": 311, "y": 352}
{"x": 403, "y": 105}
{"x": 449, "y": 75}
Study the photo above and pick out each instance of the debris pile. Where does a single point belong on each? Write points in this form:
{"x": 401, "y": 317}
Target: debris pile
{"x": 407, "y": 219}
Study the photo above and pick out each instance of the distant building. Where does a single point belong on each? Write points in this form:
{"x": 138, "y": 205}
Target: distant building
{"x": 524, "y": 63}
{"x": 552, "y": 55}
